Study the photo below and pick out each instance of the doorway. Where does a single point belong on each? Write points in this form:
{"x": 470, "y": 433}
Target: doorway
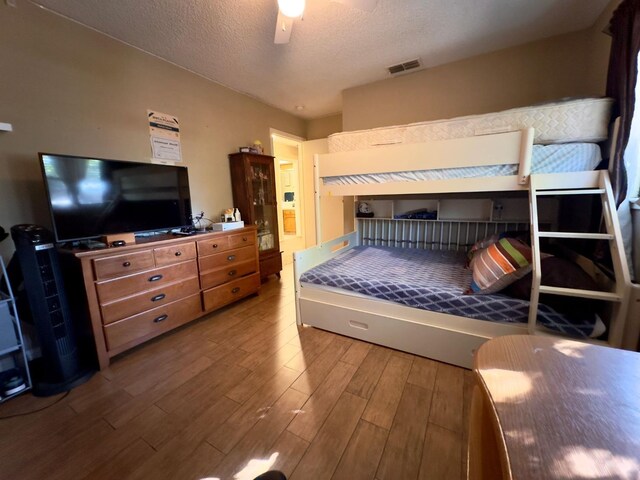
{"x": 287, "y": 150}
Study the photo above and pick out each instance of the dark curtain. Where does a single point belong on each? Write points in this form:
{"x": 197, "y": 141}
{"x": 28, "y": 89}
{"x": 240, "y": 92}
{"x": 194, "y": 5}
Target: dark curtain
{"x": 621, "y": 83}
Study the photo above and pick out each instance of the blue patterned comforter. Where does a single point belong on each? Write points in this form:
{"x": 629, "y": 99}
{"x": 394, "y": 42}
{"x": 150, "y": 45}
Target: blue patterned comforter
{"x": 432, "y": 280}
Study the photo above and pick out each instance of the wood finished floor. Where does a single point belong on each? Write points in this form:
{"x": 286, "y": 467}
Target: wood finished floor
{"x": 241, "y": 386}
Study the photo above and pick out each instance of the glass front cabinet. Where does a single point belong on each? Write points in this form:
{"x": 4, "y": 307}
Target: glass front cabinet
{"x": 254, "y": 193}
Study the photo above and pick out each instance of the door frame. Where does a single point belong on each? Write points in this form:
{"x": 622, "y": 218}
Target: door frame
{"x": 285, "y": 137}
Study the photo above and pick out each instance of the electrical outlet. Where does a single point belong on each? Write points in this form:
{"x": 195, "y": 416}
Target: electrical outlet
{"x": 11, "y": 3}
{"x": 497, "y": 210}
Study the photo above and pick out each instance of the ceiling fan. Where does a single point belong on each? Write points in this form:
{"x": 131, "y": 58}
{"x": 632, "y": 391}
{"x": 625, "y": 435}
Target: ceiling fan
{"x": 289, "y": 10}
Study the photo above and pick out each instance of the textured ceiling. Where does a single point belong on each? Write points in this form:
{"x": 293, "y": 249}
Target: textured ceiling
{"x": 333, "y": 48}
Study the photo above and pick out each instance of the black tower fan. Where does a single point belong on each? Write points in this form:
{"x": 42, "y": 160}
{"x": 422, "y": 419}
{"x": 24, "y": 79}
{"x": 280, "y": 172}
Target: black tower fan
{"x": 60, "y": 368}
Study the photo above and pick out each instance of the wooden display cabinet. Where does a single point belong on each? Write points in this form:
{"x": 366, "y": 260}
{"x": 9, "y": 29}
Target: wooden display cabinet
{"x": 254, "y": 193}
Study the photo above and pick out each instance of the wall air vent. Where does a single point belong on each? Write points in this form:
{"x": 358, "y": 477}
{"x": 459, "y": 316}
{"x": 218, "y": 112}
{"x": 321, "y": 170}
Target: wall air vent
{"x": 404, "y": 67}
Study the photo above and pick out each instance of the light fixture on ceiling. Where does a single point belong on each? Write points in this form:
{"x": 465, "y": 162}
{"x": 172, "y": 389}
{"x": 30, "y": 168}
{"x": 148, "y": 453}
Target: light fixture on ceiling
{"x": 291, "y": 8}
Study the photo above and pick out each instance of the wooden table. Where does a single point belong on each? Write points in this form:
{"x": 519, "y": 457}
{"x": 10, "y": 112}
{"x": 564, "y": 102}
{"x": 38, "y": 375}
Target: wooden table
{"x": 547, "y": 408}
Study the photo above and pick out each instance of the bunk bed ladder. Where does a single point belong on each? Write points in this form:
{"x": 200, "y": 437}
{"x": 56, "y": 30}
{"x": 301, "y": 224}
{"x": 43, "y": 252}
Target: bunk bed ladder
{"x": 620, "y": 293}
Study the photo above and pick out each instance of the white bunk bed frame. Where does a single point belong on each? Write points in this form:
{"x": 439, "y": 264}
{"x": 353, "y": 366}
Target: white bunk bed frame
{"x": 445, "y": 337}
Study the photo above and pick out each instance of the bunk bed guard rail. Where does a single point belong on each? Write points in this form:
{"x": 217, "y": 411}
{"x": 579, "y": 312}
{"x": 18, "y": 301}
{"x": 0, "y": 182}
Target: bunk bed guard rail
{"x": 507, "y": 148}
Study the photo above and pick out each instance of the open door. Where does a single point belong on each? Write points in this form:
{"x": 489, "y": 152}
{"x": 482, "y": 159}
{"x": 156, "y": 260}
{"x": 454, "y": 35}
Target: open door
{"x": 291, "y": 213}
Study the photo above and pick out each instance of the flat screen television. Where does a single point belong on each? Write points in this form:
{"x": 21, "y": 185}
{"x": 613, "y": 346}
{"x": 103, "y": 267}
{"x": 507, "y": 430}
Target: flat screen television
{"x": 90, "y": 197}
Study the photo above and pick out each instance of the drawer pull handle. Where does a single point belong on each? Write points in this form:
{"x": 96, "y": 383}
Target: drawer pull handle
{"x": 126, "y": 264}
{"x": 158, "y": 297}
{"x": 215, "y": 245}
{"x": 232, "y": 273}
{"x": 244, "y": 239}
{"x": 178, "y": 254}
{"x": 231, "y": 258}
{"x": 235, "y": 290}
{"x": 161, "y": 318}
{"x": 155, "y": 278}
{"x": 360, "y": 325}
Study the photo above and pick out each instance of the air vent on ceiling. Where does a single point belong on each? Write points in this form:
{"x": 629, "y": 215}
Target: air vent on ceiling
{"x": 404, "y": 66}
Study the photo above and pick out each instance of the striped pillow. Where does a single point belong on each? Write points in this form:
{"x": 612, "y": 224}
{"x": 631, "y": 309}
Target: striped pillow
{"x": 522, "y": 235}
{"x": 480, "y": 244}
{"x": 499, "y": 265}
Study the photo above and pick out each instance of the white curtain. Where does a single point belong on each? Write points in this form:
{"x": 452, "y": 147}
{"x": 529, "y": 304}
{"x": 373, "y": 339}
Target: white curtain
{"x": 632, "y": 166}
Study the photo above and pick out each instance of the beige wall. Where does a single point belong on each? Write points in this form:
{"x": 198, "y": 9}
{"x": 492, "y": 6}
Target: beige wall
{"x": 67, "y": 89}
{"x": 284, "y": 151}
{"x": 324, "y": 126}
{"x": 574, "y": 64}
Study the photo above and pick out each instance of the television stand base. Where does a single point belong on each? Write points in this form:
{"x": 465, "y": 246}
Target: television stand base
{"x": 87, "y": 245}
{"x": 119, "y": 239}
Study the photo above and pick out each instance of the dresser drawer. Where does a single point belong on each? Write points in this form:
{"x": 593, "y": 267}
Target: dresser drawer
{"x": 230, "y": 292}
{"x": 226, "y": 274}
{"x": 153, "y": 322}
{"x": 174, "y": 253}
{"x": 224, "y": 259}
{"x": 140, "y": 302}
{"x": 242, "y": 239}
{"x": 213, "y": 245}
{"x": 123, "y": 264}
{"x": 118, "y": 288}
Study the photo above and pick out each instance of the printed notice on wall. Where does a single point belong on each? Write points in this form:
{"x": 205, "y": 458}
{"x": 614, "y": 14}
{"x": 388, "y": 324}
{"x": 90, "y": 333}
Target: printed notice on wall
{"x": 165, "y": 149}
{"x": 164, "y": 130}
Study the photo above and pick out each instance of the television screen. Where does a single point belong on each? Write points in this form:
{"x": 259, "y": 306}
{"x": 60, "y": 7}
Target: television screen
{"x": 90, "y": 197}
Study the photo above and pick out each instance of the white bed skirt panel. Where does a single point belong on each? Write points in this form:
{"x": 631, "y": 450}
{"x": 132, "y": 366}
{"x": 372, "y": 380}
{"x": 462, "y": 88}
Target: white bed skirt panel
{"x": 446, "y": 338}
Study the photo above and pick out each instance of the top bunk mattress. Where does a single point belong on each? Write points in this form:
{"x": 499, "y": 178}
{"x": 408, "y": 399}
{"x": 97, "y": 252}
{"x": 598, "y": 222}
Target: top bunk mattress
{"x": 434, "y": 280}
{"x": 584, "y": 120}
{"x": 570, "y": 157}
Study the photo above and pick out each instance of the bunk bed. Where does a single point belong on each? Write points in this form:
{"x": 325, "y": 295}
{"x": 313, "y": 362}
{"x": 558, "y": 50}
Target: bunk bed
{"x": 548, "y": 150}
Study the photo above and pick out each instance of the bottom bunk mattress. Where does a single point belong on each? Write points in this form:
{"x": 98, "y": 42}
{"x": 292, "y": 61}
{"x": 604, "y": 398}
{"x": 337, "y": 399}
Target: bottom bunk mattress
{"x": 434, "y": 280}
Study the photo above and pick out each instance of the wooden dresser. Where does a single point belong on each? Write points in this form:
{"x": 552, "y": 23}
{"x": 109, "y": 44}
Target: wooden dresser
{"x": 137, "y": 292}
{"x": 549, "y": 408}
